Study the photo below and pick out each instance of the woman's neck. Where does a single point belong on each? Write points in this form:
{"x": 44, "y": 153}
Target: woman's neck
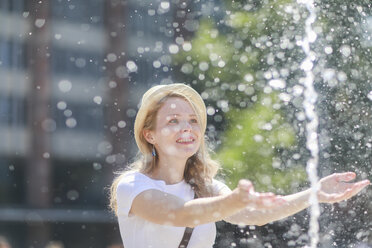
{"x": 169, "y": 170}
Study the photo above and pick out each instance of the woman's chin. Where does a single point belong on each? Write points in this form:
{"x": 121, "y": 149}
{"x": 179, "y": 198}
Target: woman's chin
{"x": 182, "y": 151}
{"x": 187, "y": 153}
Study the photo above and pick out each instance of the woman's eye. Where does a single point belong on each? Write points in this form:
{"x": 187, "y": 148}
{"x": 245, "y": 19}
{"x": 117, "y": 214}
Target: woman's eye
{"x": 194, "y": 121}
{"x": 173, "y": 121}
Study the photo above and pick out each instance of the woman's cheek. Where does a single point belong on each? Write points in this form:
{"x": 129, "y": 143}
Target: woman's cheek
{"x": 197, "y": 129}
{"x": 176, "y": 128}
{"x": 165, "y": 131}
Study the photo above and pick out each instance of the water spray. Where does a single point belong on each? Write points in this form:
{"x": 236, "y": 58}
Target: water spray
{"x": 310, "y": 97}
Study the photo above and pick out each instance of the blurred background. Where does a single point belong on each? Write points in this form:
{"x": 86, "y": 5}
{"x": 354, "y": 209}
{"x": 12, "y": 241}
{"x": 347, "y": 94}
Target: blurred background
{"x": 72, "y": 73}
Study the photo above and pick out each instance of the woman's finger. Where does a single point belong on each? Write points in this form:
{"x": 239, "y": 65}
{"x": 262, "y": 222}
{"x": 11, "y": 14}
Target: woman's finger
{"x": 245, "y": 185}
{"x": 346, "y": 176}
{"x": 364, "y": 183}
{"x": 355, "y": 189}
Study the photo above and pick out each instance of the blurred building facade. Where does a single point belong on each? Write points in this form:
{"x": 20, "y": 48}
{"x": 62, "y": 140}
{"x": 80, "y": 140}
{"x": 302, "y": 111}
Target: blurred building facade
{"x": 71, "y": 76}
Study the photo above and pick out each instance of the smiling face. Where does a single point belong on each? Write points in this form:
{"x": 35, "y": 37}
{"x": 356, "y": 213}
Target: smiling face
{"x": 177, "y": 132}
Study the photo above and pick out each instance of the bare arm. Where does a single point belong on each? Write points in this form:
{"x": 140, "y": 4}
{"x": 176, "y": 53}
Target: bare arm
{"x": 166, "y": 209}
{"x": 252, "y": 216}
{"x": 333, "y": 188}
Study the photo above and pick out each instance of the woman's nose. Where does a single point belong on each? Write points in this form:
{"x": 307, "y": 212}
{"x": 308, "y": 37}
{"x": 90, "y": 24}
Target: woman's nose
{"x": 186, "y": 127}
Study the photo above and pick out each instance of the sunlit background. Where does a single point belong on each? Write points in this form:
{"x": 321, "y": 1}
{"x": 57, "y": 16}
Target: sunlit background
{"x": 72, "y": 73}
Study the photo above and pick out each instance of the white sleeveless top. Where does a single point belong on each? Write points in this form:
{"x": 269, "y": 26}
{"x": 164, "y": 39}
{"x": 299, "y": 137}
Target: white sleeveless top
{"x": 139, "y": 233}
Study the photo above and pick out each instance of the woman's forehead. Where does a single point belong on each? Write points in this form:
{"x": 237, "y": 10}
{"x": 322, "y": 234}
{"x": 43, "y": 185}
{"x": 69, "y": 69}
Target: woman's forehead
{"x": 176, "y": 106}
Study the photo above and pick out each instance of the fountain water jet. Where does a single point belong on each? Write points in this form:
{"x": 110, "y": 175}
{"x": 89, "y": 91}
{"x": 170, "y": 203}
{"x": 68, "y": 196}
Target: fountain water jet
{"x": 311, "y": 127}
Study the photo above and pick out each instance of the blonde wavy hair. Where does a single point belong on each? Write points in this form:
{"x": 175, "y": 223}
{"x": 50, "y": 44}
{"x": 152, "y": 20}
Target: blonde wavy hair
{"x": 200, "y": 168}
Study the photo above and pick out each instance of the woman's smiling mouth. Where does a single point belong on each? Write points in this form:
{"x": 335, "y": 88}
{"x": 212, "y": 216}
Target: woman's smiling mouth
{"x": 185, "y": 141}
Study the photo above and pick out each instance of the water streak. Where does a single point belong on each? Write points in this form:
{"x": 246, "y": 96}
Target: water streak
{"x": 311, "y": 127}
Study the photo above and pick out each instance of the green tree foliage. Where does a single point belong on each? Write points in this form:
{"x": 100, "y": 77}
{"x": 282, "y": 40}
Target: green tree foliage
{"x": 250, "y": 148}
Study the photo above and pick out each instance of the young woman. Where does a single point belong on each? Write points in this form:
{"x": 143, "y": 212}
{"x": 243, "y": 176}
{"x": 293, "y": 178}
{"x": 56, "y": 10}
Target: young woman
{"x": 154, "y": 200}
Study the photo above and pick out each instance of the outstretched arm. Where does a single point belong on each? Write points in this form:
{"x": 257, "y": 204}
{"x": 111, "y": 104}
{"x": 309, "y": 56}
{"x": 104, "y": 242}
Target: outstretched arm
{"x": 162, "y": 208}
{"x": 333, "y": 188}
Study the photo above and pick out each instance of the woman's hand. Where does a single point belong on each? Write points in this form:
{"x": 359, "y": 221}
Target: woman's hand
{"x": 249, "y": 198}
{"x": 337, "y": 187}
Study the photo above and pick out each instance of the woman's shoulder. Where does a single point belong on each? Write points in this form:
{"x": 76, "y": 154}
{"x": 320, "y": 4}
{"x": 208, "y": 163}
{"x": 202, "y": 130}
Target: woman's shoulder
{"x": 132, "y": 182}
{"x": 133, "y": 176}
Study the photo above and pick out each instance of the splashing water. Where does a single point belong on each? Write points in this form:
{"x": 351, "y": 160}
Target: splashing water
{"x": 312, "y": 125}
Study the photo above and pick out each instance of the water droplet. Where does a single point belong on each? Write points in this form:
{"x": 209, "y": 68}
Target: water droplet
{"x": 187, "y": 46}
{"x": 112, "y": 84}
{"x": 64, "y": 86}
{"x": 164, "y": 5}
{"x": 122, "y": 124}
{"x": 131, "y": 113}
{"x": 111, "y": 57}
{"x": 97, "y": 166}
{"x": 67, "y": 113}
{"x": 203, "y": 66}
{"x": 61, "y": 105}
{"x": 173, "y": 49}
{"x": 284, "y": 97}
{"x": 213, "y": 56}
{"x": 113, "y": 129}
{"x": 248, "y": 77}
{"x": 258, "y": 138}
{"x": 328, "y": 50}
{"x": 110, "y": 159}
{"x": 80, "y": 62}
{"x": 104, "y": 147}
{"x": 277, "y": 83}
{"x": 156, "y": 64}
{"x": 211, "y": 110}
{"x": 342, "y": 76}
{"x": 187, "y": 68}
{"x": 131, "y": 66}
{"x": 221, "y": 63}
{"x": 39, "y": 23}
{"x": 72, "y": 195}
{"x": 151, "y": 12}
{"x": 140, "y": 50}
{"x": 71, "y": 122}
{"x": 241, "y": 87}
{"x": 267, "y": 126}
{"x": 345, "y": 50}
{"x": 328, "y": 74}
{"x": 97, "y": 99}
{"x": 296, "y": 156}
{"x": 121, "y": 71}
{"x": 301, "y": 116}
{"x": 267, "y": 90}
{"x": 297, "y": 90}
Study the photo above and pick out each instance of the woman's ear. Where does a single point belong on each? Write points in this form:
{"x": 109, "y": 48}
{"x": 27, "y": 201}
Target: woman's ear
{"x": 149, "y": 136}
